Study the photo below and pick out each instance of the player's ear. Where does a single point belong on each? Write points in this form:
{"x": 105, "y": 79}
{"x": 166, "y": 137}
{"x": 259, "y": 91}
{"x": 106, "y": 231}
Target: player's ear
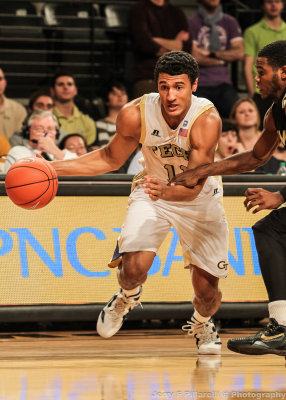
{"x": 283, "y": 73}
{"x": 195, "y": 85}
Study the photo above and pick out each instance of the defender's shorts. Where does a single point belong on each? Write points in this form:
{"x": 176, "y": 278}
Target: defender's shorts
{"x": 200, "y": 225}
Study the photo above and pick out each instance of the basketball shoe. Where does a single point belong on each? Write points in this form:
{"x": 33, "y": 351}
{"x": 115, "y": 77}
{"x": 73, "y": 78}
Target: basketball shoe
{"x": 207, "y": 338}
{"x": 271, "y": 340}
{"x": 113, "y": 314}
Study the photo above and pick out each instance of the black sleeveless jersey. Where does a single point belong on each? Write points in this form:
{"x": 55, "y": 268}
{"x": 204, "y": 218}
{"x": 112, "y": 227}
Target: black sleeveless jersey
{"x": 279, "y": 116}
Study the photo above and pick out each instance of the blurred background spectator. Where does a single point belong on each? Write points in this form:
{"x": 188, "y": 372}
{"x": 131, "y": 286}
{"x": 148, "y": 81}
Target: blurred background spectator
{"x": 244, "y": 114}
{"x": 114, "y": 97}
{"x": 12, "y": 113}
{"x": 74, "y": 143}
{"x": 39, "y": 100}
{"x": 217, "y": 41}
{"x": 137, "y": 163}
{"x": 71, "y": 119}
{"x": 156, "y": 27}
{"x": 4, "y": 149}
{"x": 227, "y": 143}
{"x": 42, "y": 129}
{"x": 269, "y": 29}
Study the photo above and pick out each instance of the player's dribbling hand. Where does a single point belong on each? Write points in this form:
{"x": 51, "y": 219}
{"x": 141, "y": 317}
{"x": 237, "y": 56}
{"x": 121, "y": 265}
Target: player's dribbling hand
{"x": 154, "y": 188}
{"x": 262, "y": 199}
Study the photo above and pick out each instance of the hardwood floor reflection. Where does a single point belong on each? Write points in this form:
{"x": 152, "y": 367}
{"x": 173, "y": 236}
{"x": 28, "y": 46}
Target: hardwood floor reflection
{"x": 139, "y": 365}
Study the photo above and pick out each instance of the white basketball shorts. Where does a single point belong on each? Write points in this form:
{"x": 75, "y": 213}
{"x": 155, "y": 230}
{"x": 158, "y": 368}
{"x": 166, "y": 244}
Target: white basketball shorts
{"x": 200, "y": 225}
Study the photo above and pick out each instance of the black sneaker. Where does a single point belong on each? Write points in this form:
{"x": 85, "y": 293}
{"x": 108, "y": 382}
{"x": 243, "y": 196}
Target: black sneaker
{"x": 272, "y": 340}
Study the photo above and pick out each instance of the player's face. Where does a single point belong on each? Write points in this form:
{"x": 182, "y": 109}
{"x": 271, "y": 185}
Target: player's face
{"x": 246, "y": 115}
{"x": 175, "y": 94}
{"x": 273, "y": 8}
{"x": 43, "y": 103}
{"x": 65, "y": 89}
{"x": 227, "y": 143}
{"x": 75, "y": 144}
{"x": 42, "y": 127}
{"x": 3, "y": 82}
{"x": 269, "y": 81}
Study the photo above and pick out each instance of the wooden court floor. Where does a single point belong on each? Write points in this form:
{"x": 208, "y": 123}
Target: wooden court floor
{"x": 134, "y": 364}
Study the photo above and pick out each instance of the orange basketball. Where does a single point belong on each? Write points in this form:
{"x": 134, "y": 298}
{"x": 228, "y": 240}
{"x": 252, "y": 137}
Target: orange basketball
{"x": 31, "y": 183}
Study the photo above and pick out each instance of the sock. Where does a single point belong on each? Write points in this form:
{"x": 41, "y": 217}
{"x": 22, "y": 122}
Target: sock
{"x": 136, "y": 292}
{"x": 198, "y": 317}
{"x": 277, "y": 310}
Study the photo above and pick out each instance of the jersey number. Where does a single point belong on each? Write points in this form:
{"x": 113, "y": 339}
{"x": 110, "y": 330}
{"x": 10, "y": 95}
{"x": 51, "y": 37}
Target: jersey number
{"x": 171, "y": 170}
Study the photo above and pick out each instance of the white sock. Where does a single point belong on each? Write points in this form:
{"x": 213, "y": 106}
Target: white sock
{"x": 200, "y": 318}
{"x": 277, "y": 310}
{"x": 133, "y": 292}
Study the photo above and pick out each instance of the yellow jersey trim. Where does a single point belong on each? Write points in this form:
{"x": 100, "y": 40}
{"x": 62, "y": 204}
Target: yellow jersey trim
{"x": 143, "y": 121}
{"x": 202, "y": 110}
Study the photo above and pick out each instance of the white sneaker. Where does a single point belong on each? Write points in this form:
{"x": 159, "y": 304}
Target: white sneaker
{"x": 112, "y": 316}
{"x": 207, "y": 338}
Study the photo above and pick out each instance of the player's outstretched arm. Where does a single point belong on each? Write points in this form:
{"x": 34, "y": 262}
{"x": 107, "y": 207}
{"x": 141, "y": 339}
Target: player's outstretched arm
{"x": 114, "y": 154}
{"x": 238, "y": 163}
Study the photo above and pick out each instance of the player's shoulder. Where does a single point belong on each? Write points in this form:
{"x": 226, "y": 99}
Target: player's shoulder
{"x": 209, "y": 118}
{"x": 132, "y": 108}
{"x": 129, "y": 116}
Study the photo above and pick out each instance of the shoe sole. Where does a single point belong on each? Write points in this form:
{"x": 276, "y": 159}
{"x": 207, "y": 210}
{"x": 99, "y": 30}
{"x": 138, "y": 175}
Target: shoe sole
{"x": 256, "y": 350}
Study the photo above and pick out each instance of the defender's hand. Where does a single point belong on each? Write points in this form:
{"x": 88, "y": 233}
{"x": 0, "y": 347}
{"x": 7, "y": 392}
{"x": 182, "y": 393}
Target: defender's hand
{"x": 187, "y": 179}
{"x": 262, "y": 199}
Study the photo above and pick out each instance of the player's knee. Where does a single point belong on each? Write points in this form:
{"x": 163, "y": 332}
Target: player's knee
{"x": 133, "y": 274}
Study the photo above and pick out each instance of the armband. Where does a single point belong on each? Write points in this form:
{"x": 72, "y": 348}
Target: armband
{"x": 283, "y": 193}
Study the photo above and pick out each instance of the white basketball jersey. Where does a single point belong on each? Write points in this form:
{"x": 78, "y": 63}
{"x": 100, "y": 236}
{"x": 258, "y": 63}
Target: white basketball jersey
{"x": 166, "y": 151}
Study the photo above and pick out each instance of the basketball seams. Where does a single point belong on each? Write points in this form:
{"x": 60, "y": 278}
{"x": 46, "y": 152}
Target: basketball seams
{"x": 30, "y": 183}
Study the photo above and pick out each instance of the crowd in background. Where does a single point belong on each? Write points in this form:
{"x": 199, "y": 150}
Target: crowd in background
{"x": 57, "y": 124}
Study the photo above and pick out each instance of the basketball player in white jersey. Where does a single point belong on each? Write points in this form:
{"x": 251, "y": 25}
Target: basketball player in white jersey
{"x": 176, "y": 129}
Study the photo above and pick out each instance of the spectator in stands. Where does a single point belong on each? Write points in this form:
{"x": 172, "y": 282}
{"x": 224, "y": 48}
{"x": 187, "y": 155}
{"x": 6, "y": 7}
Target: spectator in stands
{"x": 114, "y": 97}
{"x": 245, "y": 115}
{"x": 71, "y": 119}
{"x": 269, "y": 29}
{"x": 42, "y": 129}
{"x": 4, "y": 149}
{"x": 156, "y": 27}
{"x": 75, "y": 143}
{"x": 227, "y": 143}
{"x": 217, "y": 41}
{"x": 12, "y": 113}
{"x": 39, "y": 100}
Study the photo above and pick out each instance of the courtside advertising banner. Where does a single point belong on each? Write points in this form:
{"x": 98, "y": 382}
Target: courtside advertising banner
{"x": 59, "y": 254}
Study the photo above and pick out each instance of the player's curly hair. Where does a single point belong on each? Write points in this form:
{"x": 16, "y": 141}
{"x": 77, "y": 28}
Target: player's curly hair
{"x": 275, "y": 53}
{"x": 177, "y": 63}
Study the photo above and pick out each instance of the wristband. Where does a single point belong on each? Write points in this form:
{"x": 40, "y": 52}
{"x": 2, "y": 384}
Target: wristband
{"x": 283, "y": 193}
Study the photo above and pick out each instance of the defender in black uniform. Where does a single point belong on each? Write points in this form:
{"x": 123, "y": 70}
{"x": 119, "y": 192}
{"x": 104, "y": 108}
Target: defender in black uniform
{"x": 270, "y": 232}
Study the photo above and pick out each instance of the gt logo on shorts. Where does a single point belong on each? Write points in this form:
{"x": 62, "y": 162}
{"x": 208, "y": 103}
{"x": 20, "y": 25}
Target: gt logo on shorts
{"x": 222, "y": 265}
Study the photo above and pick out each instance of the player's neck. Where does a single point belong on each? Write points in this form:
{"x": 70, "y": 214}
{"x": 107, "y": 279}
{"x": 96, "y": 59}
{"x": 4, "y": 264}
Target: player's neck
{"x": 274, "y": 23}
{"x": 173, "y": 122}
